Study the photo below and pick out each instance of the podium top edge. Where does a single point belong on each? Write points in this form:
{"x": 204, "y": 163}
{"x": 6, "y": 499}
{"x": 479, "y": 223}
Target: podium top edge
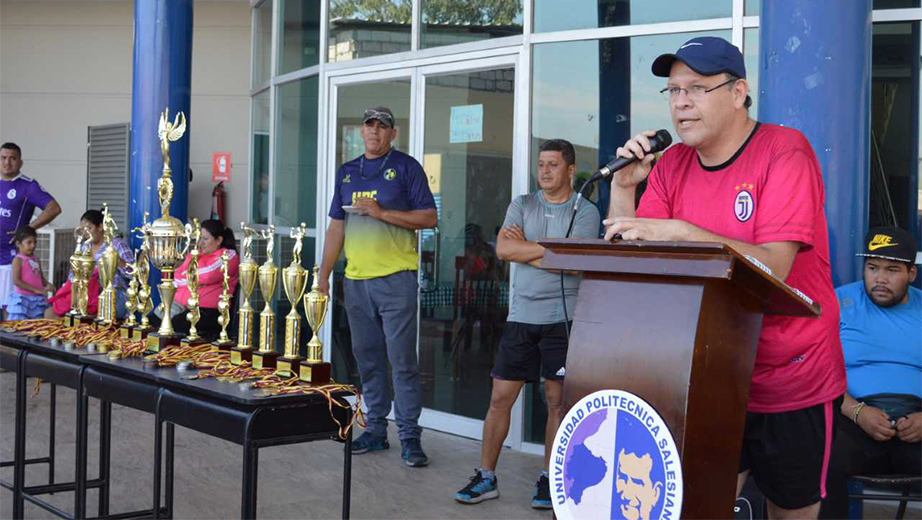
{"x": 637, "y": 245}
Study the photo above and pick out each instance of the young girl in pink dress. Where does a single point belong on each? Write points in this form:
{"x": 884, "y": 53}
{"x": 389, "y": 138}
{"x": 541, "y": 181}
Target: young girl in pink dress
{"x": 30, "y": 294}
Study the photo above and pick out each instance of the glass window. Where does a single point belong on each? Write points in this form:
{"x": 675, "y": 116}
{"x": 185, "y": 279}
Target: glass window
{"x": 896, "y": 4}
{"x": 895, "y": 126}
{"x": 260, "y": 192}
{"x": 751, "y": 59}
{"x": 262, "y": 43}
{"x": 752, "y": 7}
{"x": 296, "y": 153}
{"x": 359, "y": 28}
{"x": 300, "y": 30}
{"x": 461, "y": 21}
{"x": 596, "y": 94}
{"x": 561, "y": 15}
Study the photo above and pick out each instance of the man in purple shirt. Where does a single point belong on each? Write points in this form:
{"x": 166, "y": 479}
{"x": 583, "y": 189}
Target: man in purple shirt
{"x": 19, "y": 196}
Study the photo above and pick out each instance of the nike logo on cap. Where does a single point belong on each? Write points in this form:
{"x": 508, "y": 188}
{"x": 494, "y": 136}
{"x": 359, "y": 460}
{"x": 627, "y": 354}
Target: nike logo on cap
{"x": 690, "y": 44}
{"x": 880, "y": 241}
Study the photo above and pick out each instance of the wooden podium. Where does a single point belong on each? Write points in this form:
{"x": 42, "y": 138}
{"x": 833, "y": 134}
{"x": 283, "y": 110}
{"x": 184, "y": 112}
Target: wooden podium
{"x": 676, "y": 323}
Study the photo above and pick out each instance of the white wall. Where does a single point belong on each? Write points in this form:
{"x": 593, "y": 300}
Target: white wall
{"x": 67, "y": 65}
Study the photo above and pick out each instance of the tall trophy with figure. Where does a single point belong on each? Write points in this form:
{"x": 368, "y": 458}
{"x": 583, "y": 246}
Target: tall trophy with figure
{"x": 268, "y": 278}
{"x": 86, "y": 264}
{"x": 107, "y": 270}
{"x": 193, "y": 235}
{"x": 294, "y": 278}
{"x": 246, "y": 316}
{"x": 72, "y": 317}
{"x": 224, "y": 304}
{"x": 131, "y": 303}
{"x": 167, "y": 235}
{"x": 142, "y": 273}
{"x": 314, "y": 369}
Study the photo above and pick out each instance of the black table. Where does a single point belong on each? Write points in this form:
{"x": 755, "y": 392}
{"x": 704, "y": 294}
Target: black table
{"x": 229, "y": 411}
{"x": 234, "y": 412}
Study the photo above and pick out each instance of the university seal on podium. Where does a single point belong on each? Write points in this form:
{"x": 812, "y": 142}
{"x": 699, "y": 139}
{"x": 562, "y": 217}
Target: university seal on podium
{"x": 614, "y": 457}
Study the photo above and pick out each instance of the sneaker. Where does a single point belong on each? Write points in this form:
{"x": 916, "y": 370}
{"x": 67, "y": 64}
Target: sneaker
{"x": 367, "y": 442}
{"x": 542, "y": 496}
{"x": 478, "y": 490}
{"x": 413, "y": 453}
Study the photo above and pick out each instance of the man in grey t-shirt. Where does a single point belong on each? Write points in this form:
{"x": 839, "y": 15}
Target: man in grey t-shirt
{"x": 534, "y": 343}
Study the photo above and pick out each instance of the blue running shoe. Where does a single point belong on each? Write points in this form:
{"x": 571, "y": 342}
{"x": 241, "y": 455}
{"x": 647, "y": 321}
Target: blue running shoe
{"x": 478, "y": 489}
{"x": 367, "y": 442}
{"x": 542, "y": 496}
{"x": 413, "y": 453}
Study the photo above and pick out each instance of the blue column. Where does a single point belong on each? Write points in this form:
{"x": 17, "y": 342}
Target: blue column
{"x": 614, "y": 93}
{"x": 162, "y": 78}
{"x": 815, "y": 76}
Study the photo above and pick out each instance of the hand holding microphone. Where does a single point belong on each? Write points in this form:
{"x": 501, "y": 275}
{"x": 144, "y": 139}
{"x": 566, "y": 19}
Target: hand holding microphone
{"x": 640, "y": 151}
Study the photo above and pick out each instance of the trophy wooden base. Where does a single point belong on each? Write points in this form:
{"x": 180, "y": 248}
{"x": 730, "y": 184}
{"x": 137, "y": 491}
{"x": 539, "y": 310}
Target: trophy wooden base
{"x": 156, "y": 342}
{"x": 288, "y": 366}
{"x": 265, "y": 358}
{"x": 316, "y": 373}
{"x": 140, "y": 333}
{"x": 186, "y": 342}
{"x": 239, "y": 355}
{"x": 223, "y": 347}
{"x": 70, "y": 320}
{"x": 125, "y": 331}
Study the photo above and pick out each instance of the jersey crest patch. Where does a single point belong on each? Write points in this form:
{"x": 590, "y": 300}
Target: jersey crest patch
{"x": 744, "y": 203}
{"x": 390, "y": 174}
{"x": 11, "y": 194}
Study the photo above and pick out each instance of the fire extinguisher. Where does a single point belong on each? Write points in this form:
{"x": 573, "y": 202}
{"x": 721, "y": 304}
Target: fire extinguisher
{"x": 218, "y": 196}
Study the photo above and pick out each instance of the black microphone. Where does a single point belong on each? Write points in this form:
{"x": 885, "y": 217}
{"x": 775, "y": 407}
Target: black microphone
{"x": 658, "y": 143}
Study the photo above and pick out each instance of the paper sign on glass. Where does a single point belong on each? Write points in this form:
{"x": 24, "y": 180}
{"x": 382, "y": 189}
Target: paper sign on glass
{"x": 466, "y": 125}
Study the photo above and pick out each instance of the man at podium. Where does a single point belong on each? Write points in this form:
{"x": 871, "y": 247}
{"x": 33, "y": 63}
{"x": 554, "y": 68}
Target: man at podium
{"x": 756, "y": 187}
{"x": 534, "y": 342}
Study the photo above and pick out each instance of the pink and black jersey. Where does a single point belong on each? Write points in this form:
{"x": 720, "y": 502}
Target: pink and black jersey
{"x": 18, "y": 199}
{"x": 771, "y": 190}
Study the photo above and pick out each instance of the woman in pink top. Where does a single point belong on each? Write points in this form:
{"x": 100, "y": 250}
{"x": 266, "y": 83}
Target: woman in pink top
{"x": 30, "y": 295}
{"x": 215, "y": 241}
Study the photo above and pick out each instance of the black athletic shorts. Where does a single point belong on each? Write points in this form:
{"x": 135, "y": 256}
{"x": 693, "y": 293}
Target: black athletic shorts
{"x": 527, "y": 352}
{"x": 788, "y": 452}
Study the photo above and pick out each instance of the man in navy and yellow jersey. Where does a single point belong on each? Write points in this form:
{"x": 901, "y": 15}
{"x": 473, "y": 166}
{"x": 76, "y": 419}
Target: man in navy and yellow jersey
{"x": 379, "y": 200}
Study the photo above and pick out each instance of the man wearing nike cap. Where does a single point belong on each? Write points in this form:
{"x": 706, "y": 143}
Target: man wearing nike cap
{"x": 758, "y": 188}
{"x": 881, "y": 317}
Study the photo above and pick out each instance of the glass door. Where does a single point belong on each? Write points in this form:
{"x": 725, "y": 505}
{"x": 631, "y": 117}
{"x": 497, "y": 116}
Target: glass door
{"x": 466, "y": 142}
{"x": 351, "y": 95}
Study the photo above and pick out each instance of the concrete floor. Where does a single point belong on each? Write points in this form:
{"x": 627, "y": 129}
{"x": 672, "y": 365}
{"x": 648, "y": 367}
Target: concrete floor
{"x": 302, "y": 481}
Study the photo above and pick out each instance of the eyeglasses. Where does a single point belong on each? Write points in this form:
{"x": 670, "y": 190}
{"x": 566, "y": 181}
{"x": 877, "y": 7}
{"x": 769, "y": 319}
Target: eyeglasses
{"x": 694, "y": 92}
{"x": 384, "y": 117}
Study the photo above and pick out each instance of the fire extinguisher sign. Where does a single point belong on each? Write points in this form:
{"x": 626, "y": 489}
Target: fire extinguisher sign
{"x": 221, "y": 167}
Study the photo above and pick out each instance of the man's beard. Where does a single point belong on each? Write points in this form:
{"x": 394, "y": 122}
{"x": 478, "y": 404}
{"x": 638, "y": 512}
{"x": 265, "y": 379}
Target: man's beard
{"x": 887, "y": 301}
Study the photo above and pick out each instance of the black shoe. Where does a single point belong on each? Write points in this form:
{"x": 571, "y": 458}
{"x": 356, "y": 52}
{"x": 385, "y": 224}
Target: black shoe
{"x": 542, "y": 497}
{"x": 367, "y": 442}
{"x": 413, "y": 453}
{"x": 478, "y": 489}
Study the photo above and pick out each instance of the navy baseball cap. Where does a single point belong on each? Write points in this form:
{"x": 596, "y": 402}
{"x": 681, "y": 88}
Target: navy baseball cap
{"x": 705, "y": 55}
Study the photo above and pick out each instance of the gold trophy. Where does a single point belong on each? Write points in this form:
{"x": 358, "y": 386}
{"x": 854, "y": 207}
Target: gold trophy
{"x": 85, "y": 268}
{"x": 268, "y": 277}
{"x": 246, "y": 316}
{"x": 144, "y": 304}
{"x": 71, "y": 318}
{"x": 314, "y": 369}
{"x": 224, "y": 303}
{"x": 167, "y": 236}
{"x": 294, "y": 279}
{"x": 193, "y": 234}
{"x": 132, "y": 300}
{"x": 107, "y": 271}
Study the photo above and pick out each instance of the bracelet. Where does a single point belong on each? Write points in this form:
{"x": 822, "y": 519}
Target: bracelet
{"x": 856, "y": 411}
